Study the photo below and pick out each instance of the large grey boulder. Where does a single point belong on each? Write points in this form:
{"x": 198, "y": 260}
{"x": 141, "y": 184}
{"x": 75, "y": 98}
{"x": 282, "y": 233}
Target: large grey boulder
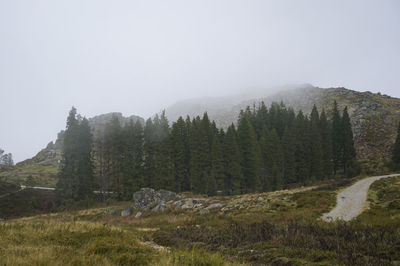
{"x": 147, "y": 198}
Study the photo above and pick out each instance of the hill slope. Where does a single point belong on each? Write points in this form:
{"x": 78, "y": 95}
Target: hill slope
{"x": 374, "y": 116}
{"x": 43, "y": 167}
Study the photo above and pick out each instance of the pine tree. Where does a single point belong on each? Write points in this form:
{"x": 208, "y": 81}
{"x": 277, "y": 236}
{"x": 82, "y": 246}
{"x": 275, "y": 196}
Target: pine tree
{"x": 232, "y": 159}
{"x": 316, "y": 171}
{"x": 274, "y": 159}
{"x": 302, "y": 145}
{"x": 113, "y": 140}
{"x": 217, "y": 174}
{"x": 350, "y": 165}
{"x": 85, "y": 163}
{"x": 68, "y": 172}
{"x": 178, "y": 146}
{"x": 149, "y": 153}
{"x": 289, "y": 151}
{"x": 76, "y": 173}
{"x": 396, "y": 151}
{"x": 250, "y": 154}
{"x": 337, "y": 139}
{"x": 326, "y": 141}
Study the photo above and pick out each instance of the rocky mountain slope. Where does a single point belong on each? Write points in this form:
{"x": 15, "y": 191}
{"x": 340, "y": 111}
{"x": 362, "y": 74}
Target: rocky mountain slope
{"x": 43, "y": 167}
{"x": 374, "y": 117}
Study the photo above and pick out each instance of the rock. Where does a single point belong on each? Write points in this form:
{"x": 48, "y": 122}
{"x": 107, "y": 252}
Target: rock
{"x": 204, "y": 211}
{"x": 260, "y": 198}
{"x": 145, "y": 198}
{"x": 111, "y": 210}
{"x": 166, "y": 195}
{"x": 215, "y": 206}
{"x": 159, "y": 207}
{"x": 177, "y": 204}
{"x": 198, "y": 206}
{"x": 138, "y": 214}
{"x": 127, "y": 211}
{"x": 190, "y": 203}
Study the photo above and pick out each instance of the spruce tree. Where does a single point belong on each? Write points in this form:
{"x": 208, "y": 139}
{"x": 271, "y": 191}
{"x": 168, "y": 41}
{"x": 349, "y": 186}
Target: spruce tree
{"x": 178, "y": 146}
{"x": 396, "y": 151}
{"x": 114, "y": 145}
{"x": 350, "y": 165}
{"x": 217, "y": 173}
{"x": 302, "y": 149}
{"x": 337, "y": 139}
{"x": 149, "y": 153}
{"x": 76, "y": 172}
{"x": 232, "y": 159}
{"x": 250, "y": 154}
{"x": 326, "y": 141}
{"x": 289, "y": 152}
{"x": 316, "y": 171}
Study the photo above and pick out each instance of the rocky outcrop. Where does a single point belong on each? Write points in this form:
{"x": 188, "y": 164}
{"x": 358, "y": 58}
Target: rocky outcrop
{"x": 374, "y": 116}
{"x": 147, "y": 198}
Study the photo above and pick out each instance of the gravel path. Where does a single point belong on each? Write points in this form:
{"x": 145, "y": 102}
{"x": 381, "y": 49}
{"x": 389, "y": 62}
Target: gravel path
{"x": 353, "y": 200}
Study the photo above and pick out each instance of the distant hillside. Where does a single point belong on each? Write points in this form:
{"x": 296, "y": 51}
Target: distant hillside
{"x": 43, "y": 167}
{"x": 374, "y": 116}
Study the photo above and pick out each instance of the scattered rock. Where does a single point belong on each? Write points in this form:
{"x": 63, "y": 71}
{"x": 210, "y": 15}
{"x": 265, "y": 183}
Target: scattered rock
{"x": 177, "y": 204}
{"x": 138, "y": 214}
{"x": 127, "y": 211}
{"x": 215, "y": 206}
{"x": 146, "y": 198}
{"x": 190, "y": 203}
{"x": 159, "y": 207}
{"x": 204, "y": 211}
{"x": 111, "y": 210}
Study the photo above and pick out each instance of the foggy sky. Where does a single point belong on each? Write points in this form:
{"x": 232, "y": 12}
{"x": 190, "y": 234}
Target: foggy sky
{"x": 137, "y": 57}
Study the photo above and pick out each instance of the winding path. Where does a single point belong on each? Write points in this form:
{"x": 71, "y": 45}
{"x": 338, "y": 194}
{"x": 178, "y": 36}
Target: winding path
{"x": 353, "y": 200}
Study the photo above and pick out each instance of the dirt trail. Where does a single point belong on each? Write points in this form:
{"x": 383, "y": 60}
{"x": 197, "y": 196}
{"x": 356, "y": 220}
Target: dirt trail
{"x": 353, "y": 200}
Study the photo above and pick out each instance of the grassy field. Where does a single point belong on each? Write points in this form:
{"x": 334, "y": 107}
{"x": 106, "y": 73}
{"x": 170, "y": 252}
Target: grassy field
{"x": 270, "y": 228}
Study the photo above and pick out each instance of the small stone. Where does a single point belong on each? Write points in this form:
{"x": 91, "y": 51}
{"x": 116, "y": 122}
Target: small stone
{"x": 204, "y": 211}
{"x": 198, "y": 206}
{"x": 127, "y": 211}
{"x": 177, "y": 204}
{"x": 215, "y": 206}
{"x": 111, "y": 210}
{"x": 159, "y": 207}
{"x": 138, "y": 214}
{"x": 260, "y": 198}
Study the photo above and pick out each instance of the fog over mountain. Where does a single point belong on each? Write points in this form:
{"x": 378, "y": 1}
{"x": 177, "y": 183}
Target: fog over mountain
{"x": 138, "y": 57}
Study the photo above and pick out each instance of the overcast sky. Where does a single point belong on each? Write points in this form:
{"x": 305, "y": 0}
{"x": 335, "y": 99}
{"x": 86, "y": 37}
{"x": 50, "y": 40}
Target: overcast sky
{"x": 137, "y": 57}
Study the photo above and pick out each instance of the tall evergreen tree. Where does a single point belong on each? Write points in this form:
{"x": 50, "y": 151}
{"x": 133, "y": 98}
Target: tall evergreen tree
{"x": 232, "y": 159}
{"x": 350, "y": 165}
{"x": 76, "y": 173}
{"x": 396, "y": 151}
{"x": 250, "y": 154}
{"x": 337, "y": 139}
{"x": 217, "y": 173}
{"x": 316, "y": 171}
{"x": 326, "y": 141}
{"x": 289, "y": 152}
{"x": 178, "y": 146}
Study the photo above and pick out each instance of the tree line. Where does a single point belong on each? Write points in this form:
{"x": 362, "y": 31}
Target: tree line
{"x": 269, "y": 149}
